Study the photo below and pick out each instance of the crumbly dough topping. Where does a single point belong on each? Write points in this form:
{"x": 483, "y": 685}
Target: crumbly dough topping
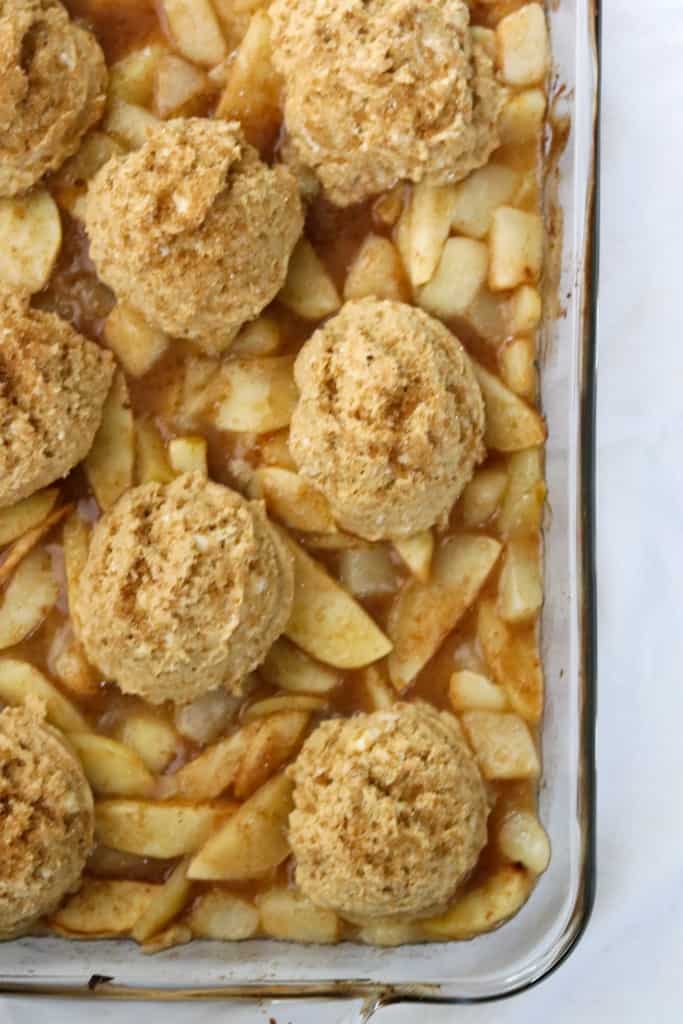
{"x": 193, "y": 586}
{"x": 53, "y": 83}
{"x": 46, "y": 818}
{"x": 53, "y": 384}
{"x": 194, "y": 230}
{"x": 377, "y": 91}
{"x": 390, "y": 812}
{"x": 390, "y": 420}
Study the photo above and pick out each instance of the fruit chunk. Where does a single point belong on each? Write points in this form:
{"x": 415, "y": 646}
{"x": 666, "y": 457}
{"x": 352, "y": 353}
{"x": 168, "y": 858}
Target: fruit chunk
{"x": 253, "y": 841}
{"x": 277, "y": 737}
{"x": 513, "y": 660}
{"x": 178, "y": 83}
{"x": 211, "y": 772}
{"x": 511, "y": 424}
{"x": 522, "y": 118}
{"x": 517, "y": 367}
{"x": 471, "y": 690}
{"x": 111, "y": 768}
{"x": 522, "y": 839}
{"x": 259, "y": 338}
{"x": 482, "y": 496}
{"x": 416, "y": 552}
{"x": 523, "y": 46}
{"x": 521, "y": 511}
{"x": 29, "y": 596}
{"x": 477, "y": 197}
{"x": 423, "y": 230}
{"x": 132, "y": 77}
{"x": 256, "y": 395}
{"x": 289, "y": 668}
{"x": 289, "y": 915}
{"x": 31, "y": 232}
{"x": 167, "y": 901}
{"x": 151, "y": 459}
{"x": 423, "y": 614}
{"x": 459, "y": 277}
{"x": 376, "y": 271}
{"x": 103, "y": 908}
{"x": 381, "y": 695}
{"x": 293, "y": 501}
{"x": 188, "y": 455}
{"x": 110, "y": 462}
{"x": 252, "y": 88}
{"x": 136, "y": 345}
{"x": 220, "y": 915}
{"x": 195, "y": 30}
{"x": 482, "y": 908}
{"x": 367, "y": 571}
{"x": 309, "y": 291}
{"x": 153, "y": 829}
{"x": 523, "y": 310}
{"x": 516, "y": 246}
{"x": 502, "y": 744}
{"x": 152, "y": 739}
{"x": 326, "y": 621}
{"x": 520, "y": 588}
{"x": 19, "y": 680}
{"x": 130, "y": 124}
{"x": 18, "y": 519}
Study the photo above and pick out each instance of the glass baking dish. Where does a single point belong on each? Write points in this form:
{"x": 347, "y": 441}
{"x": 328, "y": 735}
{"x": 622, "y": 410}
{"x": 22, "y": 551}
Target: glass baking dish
{"x": 544, "y": 932}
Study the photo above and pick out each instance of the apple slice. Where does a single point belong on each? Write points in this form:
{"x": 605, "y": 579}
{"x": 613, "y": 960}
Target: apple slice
{"x": 19, "y": 680}
{"x": 326, "y": 621}
{"x": 416, "y": 552}
{"x": 425, "y": 613}
{"x": 111, "y": 768}
{"x": 511, "y": 424}
{"x": 253, "y": 841}
{"x": 513, "y": 660}
{"x": 153, "y": 829}
{"x": 31, "y": 232}
{"x": 482, "y": 908}
{"x": 110, "y": 462}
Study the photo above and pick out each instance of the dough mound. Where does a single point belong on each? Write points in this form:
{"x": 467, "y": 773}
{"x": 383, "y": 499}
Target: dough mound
{"x": 389, "y": 813}
{"x": 53, "y": 385}
{"x": 47, "y": 819}
{"x": 186, "y": 588}
{"x": 53, "y": 87}
{"x": 390, "y": 419}
{"x": 379, "y": 91}
{"x": 193, "y": 230}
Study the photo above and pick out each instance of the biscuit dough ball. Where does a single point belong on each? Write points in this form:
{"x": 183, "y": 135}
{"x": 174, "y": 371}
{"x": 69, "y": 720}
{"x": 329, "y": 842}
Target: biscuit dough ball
{"x": 53, "y": 87}
{"x": 390, "y": 420}
{"x": 193, "y": 230}
{"x": 389, "y": 813}
{"x": 47, "y": 819}
{"x": 378, "y": 91}
{"x": 186, "y": 587}
{"x": 53, "y": 385}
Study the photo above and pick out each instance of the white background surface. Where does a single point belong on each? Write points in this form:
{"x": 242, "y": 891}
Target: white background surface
{"x": 629, "y": 966}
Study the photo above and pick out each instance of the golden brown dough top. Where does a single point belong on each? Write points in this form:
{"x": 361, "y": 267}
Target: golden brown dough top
{"x": 194, "y": 230}
{"x": 377, "y": 91}
{"x": 194, "y": 587}
{"x": 390, "y": 812}
{"x": 53, "y": 83}
{"x": 390, "y": 420}
{"x": 47, "y": 818}
{"x": 53, "y": 384}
